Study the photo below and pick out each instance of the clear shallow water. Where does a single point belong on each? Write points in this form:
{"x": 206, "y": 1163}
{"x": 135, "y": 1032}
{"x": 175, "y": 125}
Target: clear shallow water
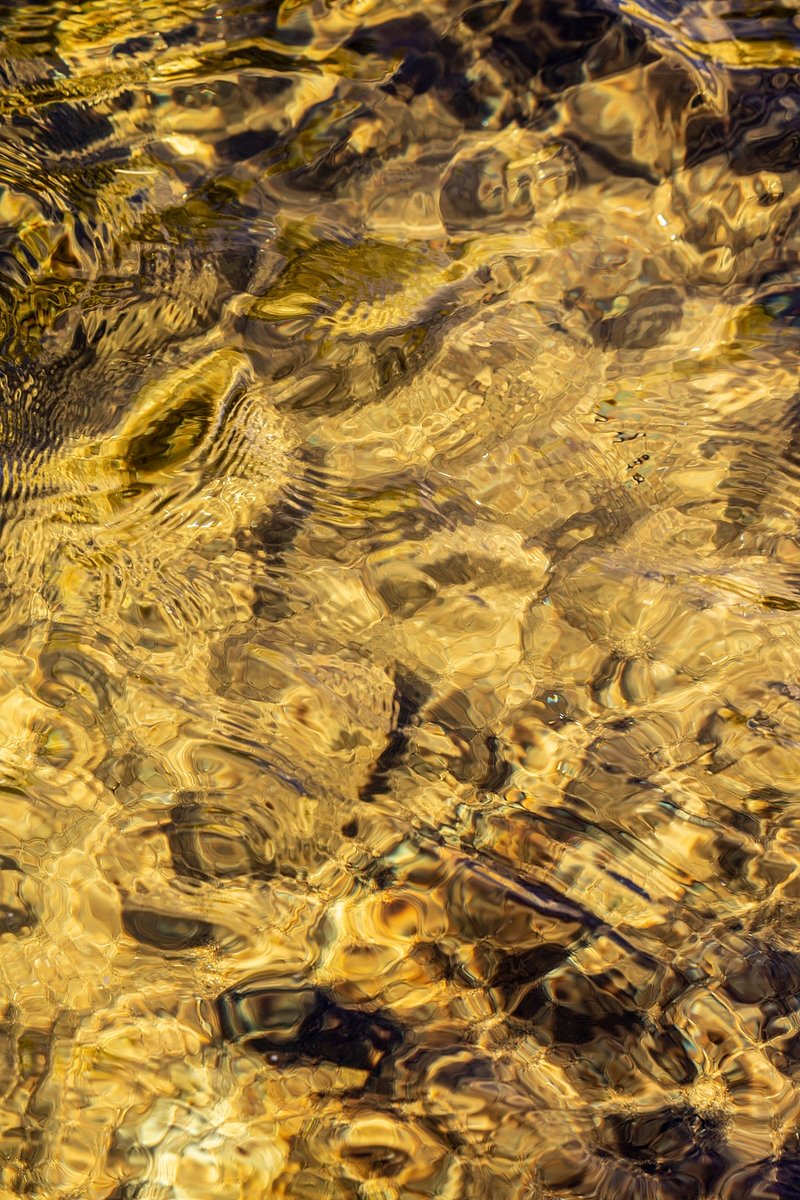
{"x": 399, "y": 642}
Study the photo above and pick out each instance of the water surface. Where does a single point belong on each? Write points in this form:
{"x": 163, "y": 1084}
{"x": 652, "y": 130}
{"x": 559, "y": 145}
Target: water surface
{"x": 399, "y": 600}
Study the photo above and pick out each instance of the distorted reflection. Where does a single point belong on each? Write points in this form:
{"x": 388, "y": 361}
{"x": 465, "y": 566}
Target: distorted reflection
{"x": 399, "y": 600}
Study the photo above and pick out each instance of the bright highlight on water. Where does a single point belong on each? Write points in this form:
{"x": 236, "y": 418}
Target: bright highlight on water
{"x": 399, "y": 600}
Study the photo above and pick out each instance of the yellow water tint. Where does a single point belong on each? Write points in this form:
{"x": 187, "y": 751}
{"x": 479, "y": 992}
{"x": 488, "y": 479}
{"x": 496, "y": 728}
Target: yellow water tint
{"x": 357, "y": 290}
{"x": 399, "y": 726}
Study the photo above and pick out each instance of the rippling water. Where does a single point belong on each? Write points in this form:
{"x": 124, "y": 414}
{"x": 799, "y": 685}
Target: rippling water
{"x": 400, "y": 600}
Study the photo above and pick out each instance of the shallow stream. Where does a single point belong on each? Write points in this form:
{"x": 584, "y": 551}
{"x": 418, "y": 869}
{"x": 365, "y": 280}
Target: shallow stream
{"x": 400, "y": 600}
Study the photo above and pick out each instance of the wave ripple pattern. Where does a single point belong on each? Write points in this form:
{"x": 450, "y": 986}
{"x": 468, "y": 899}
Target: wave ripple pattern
{"x": 399, "y": 600}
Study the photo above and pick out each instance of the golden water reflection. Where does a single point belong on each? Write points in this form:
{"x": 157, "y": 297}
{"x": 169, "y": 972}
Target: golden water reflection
{"x": 399, "y": 670}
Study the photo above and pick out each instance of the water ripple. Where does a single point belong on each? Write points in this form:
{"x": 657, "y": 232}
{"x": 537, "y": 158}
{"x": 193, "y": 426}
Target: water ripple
{"x": 399, "y": 590}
